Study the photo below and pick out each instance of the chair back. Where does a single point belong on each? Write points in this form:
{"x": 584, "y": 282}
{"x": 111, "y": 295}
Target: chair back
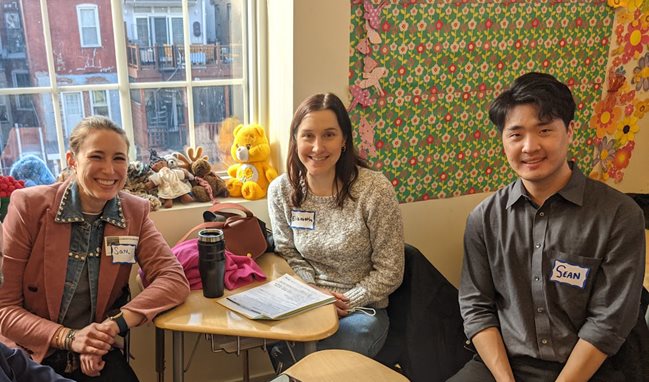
{"x": 426, "y": 337}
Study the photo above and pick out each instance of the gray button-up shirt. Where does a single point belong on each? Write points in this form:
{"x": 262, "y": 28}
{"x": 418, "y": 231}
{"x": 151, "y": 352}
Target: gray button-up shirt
{"x": 549, "y": 275}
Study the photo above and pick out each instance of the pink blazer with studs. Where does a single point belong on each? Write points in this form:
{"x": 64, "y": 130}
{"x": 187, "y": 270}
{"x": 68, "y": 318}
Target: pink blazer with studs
{"x": 35, "y": 261}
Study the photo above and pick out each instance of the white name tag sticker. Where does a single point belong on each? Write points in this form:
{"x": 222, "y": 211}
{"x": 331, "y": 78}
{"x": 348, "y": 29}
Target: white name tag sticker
{"x": 570, "y": 274}
{"x": 302, "y": 219}
{"x": 121, "y": 248}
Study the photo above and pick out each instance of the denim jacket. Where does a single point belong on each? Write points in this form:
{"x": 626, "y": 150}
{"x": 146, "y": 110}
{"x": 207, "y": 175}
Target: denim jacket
{"x": 85, "y": 244}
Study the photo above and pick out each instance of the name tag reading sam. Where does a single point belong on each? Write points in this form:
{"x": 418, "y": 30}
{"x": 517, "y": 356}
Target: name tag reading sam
{"x": 121, "y": 248}
{"x": 302, "y": 219}
{"x": 570, "y": 274}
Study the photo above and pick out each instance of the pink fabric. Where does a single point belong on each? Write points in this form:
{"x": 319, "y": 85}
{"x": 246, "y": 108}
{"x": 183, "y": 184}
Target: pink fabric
{"x": 239, "y": 270}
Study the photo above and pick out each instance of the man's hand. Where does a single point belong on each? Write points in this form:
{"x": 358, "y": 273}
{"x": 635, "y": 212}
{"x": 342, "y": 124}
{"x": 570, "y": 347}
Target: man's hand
{"x": 491, "y": 349}
{"x": 584, "y": 361}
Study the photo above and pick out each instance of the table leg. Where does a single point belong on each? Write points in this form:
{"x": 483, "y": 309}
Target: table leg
{"x": 160, "y": 354}
{"x": 246, "y": 366}
{"x": 309, "y": 347}
{"x": 178, "y": 354}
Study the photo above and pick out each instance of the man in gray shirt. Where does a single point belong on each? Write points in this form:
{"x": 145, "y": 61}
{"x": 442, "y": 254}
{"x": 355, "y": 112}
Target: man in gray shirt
{"x": 553, "y": 263}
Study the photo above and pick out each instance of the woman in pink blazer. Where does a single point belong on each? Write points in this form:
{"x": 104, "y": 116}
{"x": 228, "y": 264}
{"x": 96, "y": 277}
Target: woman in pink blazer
{"x": 69, "y": 248}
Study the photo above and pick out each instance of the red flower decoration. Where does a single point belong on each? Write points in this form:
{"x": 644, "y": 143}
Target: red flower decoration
{"x": 8, "y": 184}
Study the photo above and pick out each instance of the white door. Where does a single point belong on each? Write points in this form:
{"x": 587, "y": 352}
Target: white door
{"x": 72, "y": 110}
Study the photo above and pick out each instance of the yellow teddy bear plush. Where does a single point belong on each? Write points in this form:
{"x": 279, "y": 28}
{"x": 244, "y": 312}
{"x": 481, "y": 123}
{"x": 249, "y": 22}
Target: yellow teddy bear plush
{"x": 252, "y": 173}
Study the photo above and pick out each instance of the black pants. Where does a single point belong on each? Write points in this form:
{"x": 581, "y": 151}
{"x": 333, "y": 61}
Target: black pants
{"x": 115, "y": 369}
{"x": 530, "y": 369}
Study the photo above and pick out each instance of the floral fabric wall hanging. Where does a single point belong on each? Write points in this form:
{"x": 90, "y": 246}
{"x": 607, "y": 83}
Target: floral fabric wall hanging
{"x": 422, "y": 74}
{"x": 624, "y": 107}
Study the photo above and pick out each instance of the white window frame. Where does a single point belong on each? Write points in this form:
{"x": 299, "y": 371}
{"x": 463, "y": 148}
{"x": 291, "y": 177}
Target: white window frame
{"x": 93, "y": 103}
{"x": 95, "y": 11}
{"x": 252, "y": 83}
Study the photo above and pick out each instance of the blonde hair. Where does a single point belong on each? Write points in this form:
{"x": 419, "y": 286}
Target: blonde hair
{"x": 91, "y": 124}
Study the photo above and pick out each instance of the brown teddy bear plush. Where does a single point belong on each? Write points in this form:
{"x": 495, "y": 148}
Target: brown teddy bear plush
{"x": 215, "y": 186}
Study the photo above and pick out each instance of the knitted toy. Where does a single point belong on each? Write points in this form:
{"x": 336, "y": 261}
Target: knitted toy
{"x": 206, "y": 186}
{"x": 136, "y": 183}
{"x": 169, "y": 182}
{"x": 253, "y": 172}
{"x": 32, "y": 170}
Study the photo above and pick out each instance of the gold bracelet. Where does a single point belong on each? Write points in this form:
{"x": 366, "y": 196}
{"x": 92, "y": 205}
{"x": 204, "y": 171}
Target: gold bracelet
{"x": 57, "y": 337}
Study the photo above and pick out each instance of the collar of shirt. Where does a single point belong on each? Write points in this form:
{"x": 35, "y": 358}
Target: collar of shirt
{"x": 70, "y": 208}
{"x": 572, "y": 192}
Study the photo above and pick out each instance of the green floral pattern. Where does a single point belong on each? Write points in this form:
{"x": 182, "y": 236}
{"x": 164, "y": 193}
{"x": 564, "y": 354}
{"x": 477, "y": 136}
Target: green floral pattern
{"x": 445, "y": 61}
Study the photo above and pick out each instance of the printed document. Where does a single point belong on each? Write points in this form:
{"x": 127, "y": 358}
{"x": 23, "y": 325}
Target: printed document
{"x": 277, "y": 299}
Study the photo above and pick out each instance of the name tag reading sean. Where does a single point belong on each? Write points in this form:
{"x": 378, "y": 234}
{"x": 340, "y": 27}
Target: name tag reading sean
{"x": 121, "y": 248}
{"x": 571, "y": 274}
{"x": 302, "y": 219}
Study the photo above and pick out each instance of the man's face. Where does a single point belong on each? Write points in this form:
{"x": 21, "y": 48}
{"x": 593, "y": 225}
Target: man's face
{"x": 537, "y": 151}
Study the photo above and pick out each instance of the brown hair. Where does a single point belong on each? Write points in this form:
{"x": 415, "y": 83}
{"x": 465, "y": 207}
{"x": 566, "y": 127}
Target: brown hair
{"x": 90, "y": 124}
{"x": 348, "y": 163}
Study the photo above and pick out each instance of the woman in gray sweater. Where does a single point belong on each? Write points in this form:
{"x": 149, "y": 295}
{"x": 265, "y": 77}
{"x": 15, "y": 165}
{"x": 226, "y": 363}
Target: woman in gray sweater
{"x": 338, "y": 224}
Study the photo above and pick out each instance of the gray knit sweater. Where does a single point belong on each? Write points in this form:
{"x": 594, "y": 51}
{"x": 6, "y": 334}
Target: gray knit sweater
{"x": 356, "y": 250}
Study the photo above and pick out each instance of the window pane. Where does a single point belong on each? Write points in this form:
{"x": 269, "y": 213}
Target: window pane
{"x": 216, "y": 45}
{"x": 217, "y": 111}
{"x": 87, "y": 17}
{"x": 89, "y": 36}
{"x": 77, "y": 105}
{"x": 154, "y": 40}
{"x": 159, "y": 121}
{"x": 25, "y": 135}
{"x": 74, "y": 64}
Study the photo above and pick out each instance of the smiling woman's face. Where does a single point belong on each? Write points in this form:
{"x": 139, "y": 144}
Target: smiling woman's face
{"x": 100, "y": 164}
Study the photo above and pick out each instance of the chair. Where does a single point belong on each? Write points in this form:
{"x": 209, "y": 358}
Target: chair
{"x": 335, "y": 365}
{"x": 426, "y": 337}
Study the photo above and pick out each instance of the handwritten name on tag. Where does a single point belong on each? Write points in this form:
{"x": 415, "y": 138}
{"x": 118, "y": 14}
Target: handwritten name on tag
{"x": 302, "y": 219}
{"x": 121, "y": 248}
{"x": 570, "y": 274}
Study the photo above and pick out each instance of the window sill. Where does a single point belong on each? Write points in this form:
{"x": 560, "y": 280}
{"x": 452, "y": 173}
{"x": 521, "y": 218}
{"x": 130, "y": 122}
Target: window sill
{"x": 249, "y": 204}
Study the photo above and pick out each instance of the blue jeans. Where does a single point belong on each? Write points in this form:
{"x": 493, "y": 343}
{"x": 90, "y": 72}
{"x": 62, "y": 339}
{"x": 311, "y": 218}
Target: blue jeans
{"x": 357, "y": 332}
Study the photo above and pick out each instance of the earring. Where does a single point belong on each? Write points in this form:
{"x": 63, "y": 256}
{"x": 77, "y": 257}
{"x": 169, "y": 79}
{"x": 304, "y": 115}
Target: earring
{"x": 343, "y": 149}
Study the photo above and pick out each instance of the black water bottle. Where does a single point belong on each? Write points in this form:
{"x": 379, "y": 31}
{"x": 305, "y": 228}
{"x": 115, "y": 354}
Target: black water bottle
{"x": 211, "y": 261}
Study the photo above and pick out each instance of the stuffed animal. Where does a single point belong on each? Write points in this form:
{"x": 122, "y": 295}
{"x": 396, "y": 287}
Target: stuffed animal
{"x": 169, "y": 182}
{"x": 32, "y": 170}
{"x": 136, "y": 183}
{"x": 252, "y": 174}
{"x": 207, "y": 182}
{"x": 206, "y": 186}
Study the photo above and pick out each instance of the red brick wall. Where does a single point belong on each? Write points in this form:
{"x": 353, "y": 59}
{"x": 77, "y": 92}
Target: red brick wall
{"x": 69, "y": 56}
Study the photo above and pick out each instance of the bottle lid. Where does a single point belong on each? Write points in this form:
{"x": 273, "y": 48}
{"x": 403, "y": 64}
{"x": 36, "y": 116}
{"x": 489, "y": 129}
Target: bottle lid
{"x": 210, "y": 235}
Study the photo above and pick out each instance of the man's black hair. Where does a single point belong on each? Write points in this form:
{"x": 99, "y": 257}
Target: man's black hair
{"x": 552, "y": 98}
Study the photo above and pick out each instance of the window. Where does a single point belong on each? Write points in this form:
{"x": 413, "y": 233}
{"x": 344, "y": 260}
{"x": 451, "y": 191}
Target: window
{"x": 88, "y": 18}
{"x": 99, "y": 103}
{"x": 21, "y": 80}
{"x": 176, "y": 97}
